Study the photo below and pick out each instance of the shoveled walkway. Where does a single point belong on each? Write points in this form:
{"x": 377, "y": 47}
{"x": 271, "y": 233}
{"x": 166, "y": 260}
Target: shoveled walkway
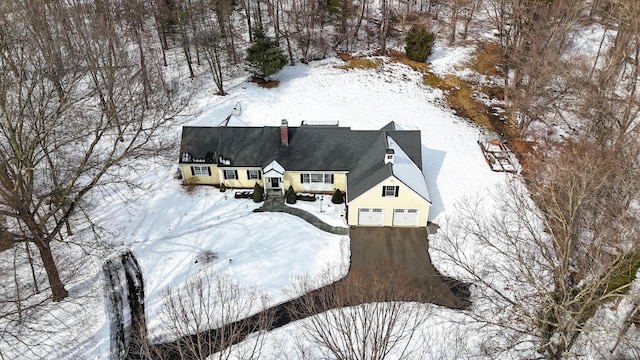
{"x": 276, "y": 204}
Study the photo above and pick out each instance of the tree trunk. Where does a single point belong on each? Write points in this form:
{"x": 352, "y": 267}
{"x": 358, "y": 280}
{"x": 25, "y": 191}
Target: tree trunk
{"x": 454, "y": 22}
{"x": 58, "y": 291}
{"x": 33, "y": 271}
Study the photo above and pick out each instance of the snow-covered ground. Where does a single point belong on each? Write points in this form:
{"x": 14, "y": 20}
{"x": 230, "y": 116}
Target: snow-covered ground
{"x": 263, "y": 250}
{"x": 453, "y": 164}
{"x": 325, "y": 210}
{"x": 168, "y": 227}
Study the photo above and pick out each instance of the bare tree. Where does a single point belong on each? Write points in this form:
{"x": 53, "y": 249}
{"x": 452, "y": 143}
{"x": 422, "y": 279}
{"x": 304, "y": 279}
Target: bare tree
{"x": 67, "y": 126}
{"x": 461, "y": 10}
{"x": 365, "y": 316}
{"x": 607, "y": 92}
{"x": 347, "y": 16}
{"x": 545, "y": 260}
{"x": 32, "y": 325}
{"x": 305, "y": 25}
{"x": 533, "y": 37}
{"x": 210, "y": 314}
{"x": 211, "y": 39}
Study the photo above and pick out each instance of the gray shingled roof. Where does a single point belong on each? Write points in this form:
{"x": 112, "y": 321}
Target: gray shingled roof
{"x": 391, "y": 126}
{"x": 370, "y": 169}
{"x": 311, "y": 148}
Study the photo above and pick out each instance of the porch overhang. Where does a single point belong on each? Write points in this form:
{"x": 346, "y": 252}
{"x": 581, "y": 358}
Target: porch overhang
{"x": 274, "y": 169}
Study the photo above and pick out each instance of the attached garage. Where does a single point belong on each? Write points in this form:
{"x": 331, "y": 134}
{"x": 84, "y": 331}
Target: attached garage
{"x": 406, "y": 217}
{"x": 370, "y": 217}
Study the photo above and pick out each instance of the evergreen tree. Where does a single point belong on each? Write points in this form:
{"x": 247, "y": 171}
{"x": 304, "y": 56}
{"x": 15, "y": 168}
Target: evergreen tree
{"x": 258, "y": 193}
{"x": 264, "y": 57}
{"x": 338, "y": 197}
{"x": 419, "y": 42}
{"x": 291, "y": 195}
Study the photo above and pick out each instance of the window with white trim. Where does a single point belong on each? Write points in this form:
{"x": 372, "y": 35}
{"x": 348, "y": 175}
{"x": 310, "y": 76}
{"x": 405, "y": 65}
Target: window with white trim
{"x": 253, "y": 174}
{"x": 316, "y": 178}
{"x": 200, "y": 170}
{"x": 231, "y": 174}
{"x": 390, "y": 191}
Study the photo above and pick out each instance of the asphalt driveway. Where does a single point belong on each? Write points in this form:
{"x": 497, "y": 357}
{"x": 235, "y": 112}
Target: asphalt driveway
{"x": 406, "y": 249}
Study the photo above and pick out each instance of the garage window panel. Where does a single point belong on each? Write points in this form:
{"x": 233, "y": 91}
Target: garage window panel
{"x": 406, "y": 217}
{"x": 370, "y": 216}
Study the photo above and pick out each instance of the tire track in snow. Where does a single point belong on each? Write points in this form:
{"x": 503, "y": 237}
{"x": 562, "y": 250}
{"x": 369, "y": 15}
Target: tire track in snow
{"x": 124, "y": 289}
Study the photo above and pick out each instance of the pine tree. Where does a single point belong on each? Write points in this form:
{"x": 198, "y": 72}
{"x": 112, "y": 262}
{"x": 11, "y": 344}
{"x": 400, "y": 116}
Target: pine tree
{"x": 264, "y": 57}
{"x": 419, "y": 42}
{"x": 338, "y": 197}
{"x": 258, "y": 193}
{"x": 291, "y": 195}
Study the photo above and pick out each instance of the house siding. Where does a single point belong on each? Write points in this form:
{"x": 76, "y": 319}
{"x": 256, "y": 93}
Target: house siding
{"x": 189, "y": 178}
{"x": 406, "y": 199}
{"x": 243, "y": 181}
{"x": 292, "y": 178}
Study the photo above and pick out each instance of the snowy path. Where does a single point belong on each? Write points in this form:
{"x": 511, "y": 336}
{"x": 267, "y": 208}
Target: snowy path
{"x": 125, "y": 290}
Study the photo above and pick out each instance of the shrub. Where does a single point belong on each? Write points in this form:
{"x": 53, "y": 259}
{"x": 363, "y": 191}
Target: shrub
{"x": 244, "y": 194}
{"x": 305, "y": 197}
{"x": 258, "y": 193}
{"x": 223, "y": 188}
{"x": 291, "y": 195}
{"x": 419, "y": 43}
{"x": 338, "y": 197}
{"x": 206, "y": 257}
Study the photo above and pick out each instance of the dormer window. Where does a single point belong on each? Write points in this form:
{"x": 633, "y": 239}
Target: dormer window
{"x": 389, "y": 154}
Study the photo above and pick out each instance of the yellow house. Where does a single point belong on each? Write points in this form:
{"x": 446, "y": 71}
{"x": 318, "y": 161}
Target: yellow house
{"x": 379, "y": 170}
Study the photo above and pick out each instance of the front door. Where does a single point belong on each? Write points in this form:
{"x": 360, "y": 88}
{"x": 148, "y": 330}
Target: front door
{"x": 275, "y": 183}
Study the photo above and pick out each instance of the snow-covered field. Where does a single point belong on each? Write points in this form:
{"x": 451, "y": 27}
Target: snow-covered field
{"x": 453, "y": 163}
{"x": 168, "y": 227}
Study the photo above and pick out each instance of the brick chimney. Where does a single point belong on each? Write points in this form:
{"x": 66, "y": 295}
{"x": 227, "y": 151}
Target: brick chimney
{"x": 284, "y": 132}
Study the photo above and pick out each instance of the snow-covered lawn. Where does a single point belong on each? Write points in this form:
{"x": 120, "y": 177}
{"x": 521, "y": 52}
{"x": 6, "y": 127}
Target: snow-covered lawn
{"x": 168, "y": 227}
{"x": 325, "y": 210}
{"x": 177, "y": 226}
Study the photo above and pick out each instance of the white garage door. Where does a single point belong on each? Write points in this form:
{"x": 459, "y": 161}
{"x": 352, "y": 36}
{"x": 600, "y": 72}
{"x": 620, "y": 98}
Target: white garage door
{"x": 369, "y": 216}
{"x": 406, "y": 217}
